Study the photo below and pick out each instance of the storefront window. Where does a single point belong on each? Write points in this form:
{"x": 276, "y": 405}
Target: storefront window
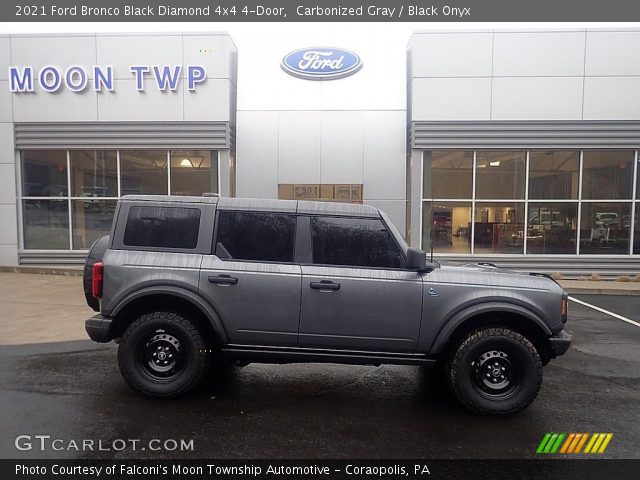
{"x": 604, "y": 228}
{"x": 447, "y": 174}
{"x": 638, "y": 178}
{"x": 499, "y": 228}
{"x": 46, "y": 224}
{"x": 91, "y": 220}
{"x": 44, "y": 173}
{"x": 636, "y": 230}
{"x": 93, "y": 176}
{"x": 552, "y": 228}
{"x": 554, "y": 174}
{"x": 143, "y": 172}
{"x": 500, "y": 174}
{"x": 448, "y": 226}
{"x": 94, "y": 173}
{"x": 607, "y": 175}
{"x": 191, "y": 172}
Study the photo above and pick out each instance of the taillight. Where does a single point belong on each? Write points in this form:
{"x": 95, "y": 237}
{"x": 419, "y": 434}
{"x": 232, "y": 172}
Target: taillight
{"x": 96, "y": 279}
{"x": 564, "y": 309}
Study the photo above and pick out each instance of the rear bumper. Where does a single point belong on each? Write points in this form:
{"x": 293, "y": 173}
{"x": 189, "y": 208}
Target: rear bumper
{"x": 559, "y": 343}
{"x": 99, "y": 329}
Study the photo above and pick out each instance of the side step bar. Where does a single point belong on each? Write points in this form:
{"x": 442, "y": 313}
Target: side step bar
{"x": 264, "y": 354}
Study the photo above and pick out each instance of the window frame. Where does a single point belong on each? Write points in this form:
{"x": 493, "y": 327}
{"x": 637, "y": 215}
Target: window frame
{"x": 309, "y": 261}
{"x": 216, "y": 232}
{"x": 69, "y": 198}
{"x": 634, "y": 201}
{"x": 122, "y": 215}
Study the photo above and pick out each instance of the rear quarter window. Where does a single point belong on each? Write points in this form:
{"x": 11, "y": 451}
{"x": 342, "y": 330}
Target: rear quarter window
{"x": 162, "y": 227}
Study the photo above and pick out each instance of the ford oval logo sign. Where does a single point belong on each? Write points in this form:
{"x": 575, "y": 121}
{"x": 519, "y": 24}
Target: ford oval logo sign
{"x": 321, "y": 63}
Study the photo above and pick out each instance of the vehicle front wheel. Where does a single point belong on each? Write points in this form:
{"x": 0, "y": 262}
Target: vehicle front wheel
{"x": 495, "y": 371}
{"x": 162, "y": 354}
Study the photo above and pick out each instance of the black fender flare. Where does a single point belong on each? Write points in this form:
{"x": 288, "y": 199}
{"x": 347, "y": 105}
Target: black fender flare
{"x": 466, "y": 314}
{"x": 179, "y": 292}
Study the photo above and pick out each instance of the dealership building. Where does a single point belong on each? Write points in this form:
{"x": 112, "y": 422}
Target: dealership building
{"x": 514, "y": 147}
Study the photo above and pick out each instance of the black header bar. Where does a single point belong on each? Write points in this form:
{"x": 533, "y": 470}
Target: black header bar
{"x": 319, "y": 11}
{"x": 583, "y": 469}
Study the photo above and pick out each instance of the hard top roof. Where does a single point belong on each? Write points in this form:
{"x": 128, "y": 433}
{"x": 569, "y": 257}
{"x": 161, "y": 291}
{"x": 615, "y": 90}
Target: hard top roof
{"x": 263, "y": 204}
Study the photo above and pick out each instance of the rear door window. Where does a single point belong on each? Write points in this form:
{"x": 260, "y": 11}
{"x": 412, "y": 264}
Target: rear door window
{"x": 256, "y": 236}
{"x": 162, "y": 227}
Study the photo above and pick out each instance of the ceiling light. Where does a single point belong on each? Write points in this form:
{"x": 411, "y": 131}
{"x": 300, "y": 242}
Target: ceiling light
{"x": 186, "y": 163}
{"x": 494, "y": 164}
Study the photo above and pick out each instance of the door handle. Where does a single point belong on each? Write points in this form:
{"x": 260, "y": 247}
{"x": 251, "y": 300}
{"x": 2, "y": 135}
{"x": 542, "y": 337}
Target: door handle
{"x": 325, "y": 285}
{"x": 223, "y": 280}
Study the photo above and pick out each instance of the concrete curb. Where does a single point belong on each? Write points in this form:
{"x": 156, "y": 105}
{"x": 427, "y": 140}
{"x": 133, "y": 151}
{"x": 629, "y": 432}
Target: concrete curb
{"x": 600, "y": 291}
{"x": 69, "y": 271}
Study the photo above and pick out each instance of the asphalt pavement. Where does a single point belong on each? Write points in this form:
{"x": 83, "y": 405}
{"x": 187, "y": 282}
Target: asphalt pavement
{"x": 72, "y": 391}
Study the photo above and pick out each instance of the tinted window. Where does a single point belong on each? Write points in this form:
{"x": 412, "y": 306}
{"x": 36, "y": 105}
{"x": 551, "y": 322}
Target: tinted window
{"x": 358, "y": 242}
{"x": 163, "y": 227}
{"x": 266, "y": 237}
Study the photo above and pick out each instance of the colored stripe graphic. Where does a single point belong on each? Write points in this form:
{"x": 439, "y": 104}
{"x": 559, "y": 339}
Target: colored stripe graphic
{"x": 568, "y": 442}
{"x": 605, "y": 443}
{"x": 582, "y": 442}
{"x": 572, "y": 443}
{"x": 544, "y": 441}
{"x": 592, "y": 440}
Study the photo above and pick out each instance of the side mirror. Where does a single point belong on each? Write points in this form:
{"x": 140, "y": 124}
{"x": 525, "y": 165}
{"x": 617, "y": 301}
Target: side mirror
{"x": 416, "y": 259}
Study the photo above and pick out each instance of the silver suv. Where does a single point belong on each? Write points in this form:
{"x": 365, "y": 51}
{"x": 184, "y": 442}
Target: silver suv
{"x": 184, "y": 283}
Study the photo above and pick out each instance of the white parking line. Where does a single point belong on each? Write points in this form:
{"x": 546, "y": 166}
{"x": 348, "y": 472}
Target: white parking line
{"x": 614, "y": 315}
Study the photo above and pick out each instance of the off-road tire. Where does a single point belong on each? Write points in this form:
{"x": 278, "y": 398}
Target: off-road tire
{"x": 465, "y": 371}
{"x": 192, "y": 350}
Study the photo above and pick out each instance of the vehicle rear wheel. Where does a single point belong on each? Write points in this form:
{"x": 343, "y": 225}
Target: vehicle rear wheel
{"x": 163, "y": 354}
{"x": 495, "y": 371}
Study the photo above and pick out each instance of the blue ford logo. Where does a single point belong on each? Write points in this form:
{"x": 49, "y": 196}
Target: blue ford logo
{"x": 321, "y": 63}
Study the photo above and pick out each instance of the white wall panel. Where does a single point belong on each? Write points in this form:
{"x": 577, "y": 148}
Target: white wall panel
{"x": 9, "y": 254}
{"x": 209, "y": 102}
{"x": 612, "y": 98}
{"x": 341, "y": 147}
{"x": 7, "y": 154}
{"x": 126, "y": 103}
{"x": 384, "y": 154}
{"x": 537, "y": 98}
{"x": 7, "y": 184}
{"x": 124, "y": 50}
{"x": 60, "y": 51}
{"x": 9, "y": 230}
{"x": 451, "y": 54}
{"x": 299, "y": 147}
{"x": 6, "y": 111}
{"x": 613, "y": 53}
{"x": 5, "y": 57}
{"x": 538, "y": 53}
{"x": 62, "y": 106}
{"x": 214, "y": 52}
{"x": 451, "y": 99}
{"x": 257, "y": 154}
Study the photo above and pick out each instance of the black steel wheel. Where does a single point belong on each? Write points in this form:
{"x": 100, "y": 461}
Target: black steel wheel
{"x": 495, "y": 371}
{"x": 163, "y": 354}
{"x": 496, "y": 374}
{"x": 160, "y": 355}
